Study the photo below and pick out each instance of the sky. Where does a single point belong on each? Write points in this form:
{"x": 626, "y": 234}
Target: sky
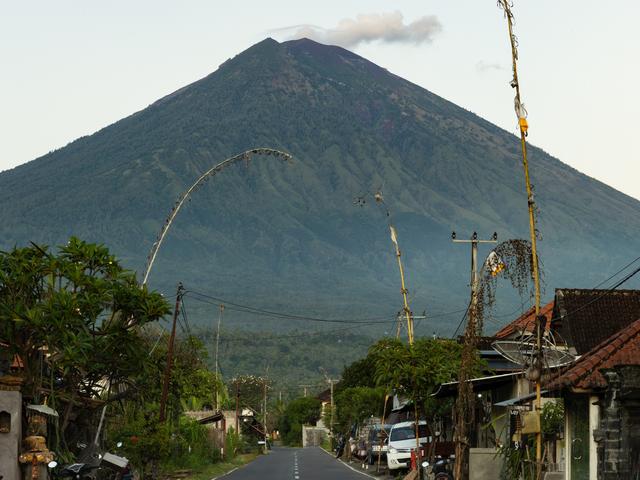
{"x": 72, "y": 67}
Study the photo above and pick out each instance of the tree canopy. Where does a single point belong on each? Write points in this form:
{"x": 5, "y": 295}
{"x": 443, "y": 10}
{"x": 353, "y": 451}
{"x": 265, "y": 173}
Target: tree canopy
{"x": 73, "y": 318}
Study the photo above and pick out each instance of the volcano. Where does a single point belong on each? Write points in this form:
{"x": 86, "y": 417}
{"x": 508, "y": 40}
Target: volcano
{"x": 308, "y": 237}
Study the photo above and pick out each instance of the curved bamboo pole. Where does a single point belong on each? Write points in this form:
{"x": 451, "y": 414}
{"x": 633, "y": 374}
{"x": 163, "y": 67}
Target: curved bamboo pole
{"x": 205, "y": 176}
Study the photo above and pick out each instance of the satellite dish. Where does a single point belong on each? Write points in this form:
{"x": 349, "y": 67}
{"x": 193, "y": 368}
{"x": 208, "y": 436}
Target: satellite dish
{"x": 521, "y": 352}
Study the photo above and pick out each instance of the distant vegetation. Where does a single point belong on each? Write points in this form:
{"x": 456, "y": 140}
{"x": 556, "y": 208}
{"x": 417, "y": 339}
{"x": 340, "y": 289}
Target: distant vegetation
{"x": 290, "y": 360}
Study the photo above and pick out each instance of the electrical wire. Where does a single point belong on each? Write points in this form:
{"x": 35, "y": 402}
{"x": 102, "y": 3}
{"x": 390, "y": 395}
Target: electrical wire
{"x": 466, "y": 312}
{"x": 259, "y": 311}
{"x": 619, "y": 271}
{"x": 297, "y": 335}
{"x": 602, "y": 295}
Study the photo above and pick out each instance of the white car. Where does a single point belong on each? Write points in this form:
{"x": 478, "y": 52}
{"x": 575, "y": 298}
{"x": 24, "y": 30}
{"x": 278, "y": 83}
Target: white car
{"x": 402, "y": 439}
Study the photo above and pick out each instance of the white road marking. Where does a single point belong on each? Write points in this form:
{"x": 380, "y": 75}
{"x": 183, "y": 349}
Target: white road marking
{"x": 348, "y": 466}
{"x": 296, "y": 475}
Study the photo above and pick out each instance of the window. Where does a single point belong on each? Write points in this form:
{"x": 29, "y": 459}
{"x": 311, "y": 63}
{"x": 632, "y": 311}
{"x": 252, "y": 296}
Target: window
{"x": 408, "y": 433}
{"x": 5, "y": 422}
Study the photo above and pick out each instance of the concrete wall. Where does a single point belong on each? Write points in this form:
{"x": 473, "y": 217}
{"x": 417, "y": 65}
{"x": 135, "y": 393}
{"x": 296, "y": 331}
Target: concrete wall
{"x": 11, "y": 402}
{"x": 484, "y": 463}
{"x": 313, "y": 436}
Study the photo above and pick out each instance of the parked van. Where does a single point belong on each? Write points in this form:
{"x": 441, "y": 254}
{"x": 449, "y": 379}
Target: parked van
{"x": 402, "y": 439}
{"x": 376, "y": 442}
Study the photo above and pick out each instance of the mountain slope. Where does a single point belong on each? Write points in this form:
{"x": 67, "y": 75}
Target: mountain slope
{"x": 290, "y": 237}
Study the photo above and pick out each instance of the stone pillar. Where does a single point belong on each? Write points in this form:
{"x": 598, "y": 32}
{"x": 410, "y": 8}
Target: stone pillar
{"x": 608, "y": 435}
{"x": 10, "y": 427}
{"x": 617, "y": 434}
{"x": 35, "y": 455}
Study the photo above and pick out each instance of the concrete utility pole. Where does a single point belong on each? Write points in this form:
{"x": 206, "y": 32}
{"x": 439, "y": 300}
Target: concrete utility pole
{"x": 305, "y": 388}
{"x": 330, "y": 381}
{"x": 465, "y": 400}
{"x": 216, "y": 357}
{"x": 264, "y": 416}
{"x": 167, "y": 370}
{"x": 237, "y": 407}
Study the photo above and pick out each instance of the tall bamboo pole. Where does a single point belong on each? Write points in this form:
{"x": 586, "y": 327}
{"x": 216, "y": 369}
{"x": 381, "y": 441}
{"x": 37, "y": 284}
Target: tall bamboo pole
{"x": 523, "y": 125}
{"x": 404, "y": 291}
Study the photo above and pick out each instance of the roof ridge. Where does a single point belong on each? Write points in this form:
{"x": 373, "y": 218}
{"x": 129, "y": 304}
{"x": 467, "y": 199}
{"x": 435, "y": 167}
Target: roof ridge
{"x": 600, "y": 353}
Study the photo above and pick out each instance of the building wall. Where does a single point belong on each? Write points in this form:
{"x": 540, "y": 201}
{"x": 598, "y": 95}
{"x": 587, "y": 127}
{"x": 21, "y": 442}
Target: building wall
{"x": 313, "y": 436}
{"x": 11, "y": 403}
{"x": 594, "y": 421}
{"x": 484, "y": 463}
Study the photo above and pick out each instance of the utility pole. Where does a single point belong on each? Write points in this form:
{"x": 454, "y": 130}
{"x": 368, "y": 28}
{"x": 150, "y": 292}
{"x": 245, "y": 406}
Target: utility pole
{"x": 535, "y": 373}
{"x": 305, "y": 388}
{"x": 330, "y": 381}
{"x": 167, "y": 370}
{"x": 331, "y": 420}
{"x": 264, "y": 410}
{"x": 465, "y": 399}
{"x": 399, "y": 324}
{"x": 216, "y": 357}
{"x": 237, "y": 407}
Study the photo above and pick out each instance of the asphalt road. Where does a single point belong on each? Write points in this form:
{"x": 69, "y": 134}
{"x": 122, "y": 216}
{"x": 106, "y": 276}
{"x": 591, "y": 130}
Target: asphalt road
{"x": 282, "y": 463}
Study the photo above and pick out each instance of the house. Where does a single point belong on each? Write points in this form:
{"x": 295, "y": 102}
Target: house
{"x": 584, "y": 325}
{"x": 315, "y": 435}
{"x": 525, "y": 323}
{"x": 601, "y": 391}
{"x": 585, "y": 318}
{"x": 598, "y": 328}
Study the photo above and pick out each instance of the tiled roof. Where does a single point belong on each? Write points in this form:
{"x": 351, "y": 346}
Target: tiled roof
{"x": 585, "y": 318}
{"x": 623, "y": 348}
{"x": 525, "y": 322}
{"x": 324, "y": 396}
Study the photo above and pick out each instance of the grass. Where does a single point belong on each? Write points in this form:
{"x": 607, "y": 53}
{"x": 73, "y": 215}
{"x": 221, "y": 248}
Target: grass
{"x": 220, "y": 468}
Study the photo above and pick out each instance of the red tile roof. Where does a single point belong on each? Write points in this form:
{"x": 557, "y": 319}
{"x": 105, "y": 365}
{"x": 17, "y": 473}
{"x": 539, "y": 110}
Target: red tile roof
{"x": 623, "y": 348}
{"x": 526, "y": 322}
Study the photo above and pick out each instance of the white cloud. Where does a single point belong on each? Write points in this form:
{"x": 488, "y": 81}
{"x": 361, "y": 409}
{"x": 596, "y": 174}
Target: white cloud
{"x": 372, "y": 27}
{"x": 483, "y": 66}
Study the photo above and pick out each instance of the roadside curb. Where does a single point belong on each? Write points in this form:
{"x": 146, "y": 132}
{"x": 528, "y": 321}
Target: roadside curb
{"x": 225, "y": 474}
{"x": 349, "y": 466}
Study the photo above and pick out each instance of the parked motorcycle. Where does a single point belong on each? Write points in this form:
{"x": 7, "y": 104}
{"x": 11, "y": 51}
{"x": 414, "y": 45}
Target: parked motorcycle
{"x": 342, "y": 442}
{"x": 78, "y": 471}
{"x": 443, "y": 468}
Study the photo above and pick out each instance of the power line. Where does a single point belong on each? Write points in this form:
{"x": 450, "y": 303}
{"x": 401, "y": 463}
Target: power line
{"x": 603, "y": 294}
{"x": 186, "y": 319}
{"x": 464, "y": 317}
{"x": 297, "y": 335}
{"x": 619, "y": 271}
{"x": 259, "y": 311}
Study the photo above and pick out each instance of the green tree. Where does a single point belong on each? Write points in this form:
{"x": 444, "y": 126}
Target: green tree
{"x": 299, "y": 412}
{"x": 355, "y": 404}
{"x": 361, "y": 373}
{"x": 74, "y": 319}
{"x": 414, "y": 371}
